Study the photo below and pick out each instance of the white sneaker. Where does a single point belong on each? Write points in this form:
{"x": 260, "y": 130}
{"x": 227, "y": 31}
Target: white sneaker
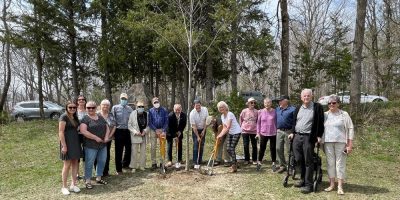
{"x": 65, "y": 191}
{"x": 74, "y": 188}
{"x": 197, "y": 166}
{"x": 133, "y": 170}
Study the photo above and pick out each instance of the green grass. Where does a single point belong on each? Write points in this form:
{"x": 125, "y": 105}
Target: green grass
{"x": 31, "y": 169}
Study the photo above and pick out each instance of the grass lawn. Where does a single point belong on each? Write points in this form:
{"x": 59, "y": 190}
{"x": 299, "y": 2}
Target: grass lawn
{"x": 31, "y": 169}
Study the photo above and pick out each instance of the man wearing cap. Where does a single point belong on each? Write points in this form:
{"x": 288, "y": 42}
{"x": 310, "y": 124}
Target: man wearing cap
{"x": 248, "y": 124}
{"x": 198, "y": 117}
{"x": 308, "y": 127}
{"x": 158, "y": 123}
{"x": 284, "y": 116}
{"x": 122, "y": 135}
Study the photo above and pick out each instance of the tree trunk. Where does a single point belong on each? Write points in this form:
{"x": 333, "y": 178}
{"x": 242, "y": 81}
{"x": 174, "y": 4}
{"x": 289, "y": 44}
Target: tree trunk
{"x": 3, "y": 99}
{"x": 39, "y": 65}
{"x": 104, "y": 49}
{"x": 387, "y": 78}
{"x": 209, "y": 78}
{"x": 72, "y": 48}
{"x": 284, "y": 84}
{"x": 375, "y": 47}
{"x": 173, "y": 87}
{"x": 355, "y": 82}
{"x": 233, "y": 56}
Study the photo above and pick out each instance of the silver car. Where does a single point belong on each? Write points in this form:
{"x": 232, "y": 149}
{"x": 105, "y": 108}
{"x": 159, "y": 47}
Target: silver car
{"x": 30, "y": 110}
{"x": 345, "y": 98}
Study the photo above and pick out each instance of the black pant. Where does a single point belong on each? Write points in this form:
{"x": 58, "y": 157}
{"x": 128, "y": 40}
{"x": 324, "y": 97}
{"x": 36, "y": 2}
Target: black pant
{"x": 171, "y": 141}
{"x": 263, "y": 146}
{"x": 303, "y": 152}
{"x": 246, "y": 145}
{"x": 107, "y": 165}
{"x": 122, "y": 140}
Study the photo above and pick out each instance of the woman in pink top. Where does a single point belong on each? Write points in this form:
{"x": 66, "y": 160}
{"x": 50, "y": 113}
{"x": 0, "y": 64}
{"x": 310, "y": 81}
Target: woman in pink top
{"x": 266, "y": 130}
{"x": 248, "y": 124}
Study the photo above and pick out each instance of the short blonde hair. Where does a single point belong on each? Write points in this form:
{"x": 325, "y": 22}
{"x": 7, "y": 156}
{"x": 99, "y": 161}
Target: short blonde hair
{"x": 105, "y": 102}
{"x": 176, "y": 106}
{"x": 223, "y": 104}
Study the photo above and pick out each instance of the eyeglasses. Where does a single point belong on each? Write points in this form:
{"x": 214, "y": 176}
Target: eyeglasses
{"x": 156, "y": 102}
{"x": 332, "y": 103}
{"x": 89, "y": 108}
{"x": 140, "y": 106}
{"x": 72, "y": 107}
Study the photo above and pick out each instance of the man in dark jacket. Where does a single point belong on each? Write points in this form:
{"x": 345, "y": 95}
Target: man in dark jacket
{"x": 176, "y": 125}
{"x": 308, "y": 127}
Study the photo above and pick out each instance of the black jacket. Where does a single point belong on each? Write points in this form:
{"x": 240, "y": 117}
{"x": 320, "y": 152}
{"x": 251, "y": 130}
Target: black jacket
{"x": 173, "y": 127}
{"x": 317, "y": 129}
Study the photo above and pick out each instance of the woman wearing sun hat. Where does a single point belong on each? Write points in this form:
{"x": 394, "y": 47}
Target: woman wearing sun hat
{"x": 248, "y": 124}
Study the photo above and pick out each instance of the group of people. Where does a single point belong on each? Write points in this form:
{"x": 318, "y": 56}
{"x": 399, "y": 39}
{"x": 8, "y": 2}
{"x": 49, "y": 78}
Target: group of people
{"x": 85, "y": 133}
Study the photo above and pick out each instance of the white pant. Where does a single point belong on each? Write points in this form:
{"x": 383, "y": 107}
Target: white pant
{"x": 335, "y": 159}
{"x": 138, "y": 156}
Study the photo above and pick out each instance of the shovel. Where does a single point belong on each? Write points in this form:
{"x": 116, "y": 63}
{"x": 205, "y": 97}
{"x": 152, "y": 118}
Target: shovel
{"x": 210, "y": 165}
{"x": 162, "y": 153}
{"x": 177, "y": 164}
{"x": 197, "y": 166}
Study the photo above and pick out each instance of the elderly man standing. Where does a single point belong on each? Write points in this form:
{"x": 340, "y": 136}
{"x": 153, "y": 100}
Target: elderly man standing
{"x": 176, "y": 126}
{"x": 122, "y": 135}
{"x": 308, "y": 128}
{"x": 284, "y": 116}
{"x": 158, "y": 123}
{"x": 198, "y": 117}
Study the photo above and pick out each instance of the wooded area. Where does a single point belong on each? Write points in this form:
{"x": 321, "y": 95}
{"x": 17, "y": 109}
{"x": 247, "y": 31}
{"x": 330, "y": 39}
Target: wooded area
{"x": 57, "y": 49}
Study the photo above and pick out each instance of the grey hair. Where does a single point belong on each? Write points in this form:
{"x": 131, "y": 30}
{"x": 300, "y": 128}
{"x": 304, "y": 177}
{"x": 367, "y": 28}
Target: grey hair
{"x": 267, "y": 99}
{"x": 306, "y": 90}
{"x": 333, "y": 98}
{"x": 176, "y": 106}
{"x": 105, "y": 102}
{"x": 223, "y": 104}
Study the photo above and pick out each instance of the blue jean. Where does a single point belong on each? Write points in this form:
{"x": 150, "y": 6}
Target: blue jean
{"x": 90, "y": 156}
{"x": 196, "y": 147}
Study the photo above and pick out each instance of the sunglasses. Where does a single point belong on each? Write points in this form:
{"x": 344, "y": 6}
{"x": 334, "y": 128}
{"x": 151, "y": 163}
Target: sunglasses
{"x": 252, "y": 102}
{"x": 72, "y": 107}
{"x": 332, "y": 103}
{"x": 89, "y": 108}
{"x": 156, "y": 102}
{"x": 140, "y": 106}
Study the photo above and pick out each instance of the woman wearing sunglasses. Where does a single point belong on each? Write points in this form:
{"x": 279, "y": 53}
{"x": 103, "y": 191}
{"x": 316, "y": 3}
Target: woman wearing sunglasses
{"x": 70, "y": 149}
{"x": 338, "y": 142}
{"x": 96, "y": 131}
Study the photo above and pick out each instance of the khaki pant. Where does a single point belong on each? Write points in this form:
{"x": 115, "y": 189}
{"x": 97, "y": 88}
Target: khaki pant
{"x": 138, "y": 157}
{"x": 335, "y": 159}
{"x": 282, "y": 146}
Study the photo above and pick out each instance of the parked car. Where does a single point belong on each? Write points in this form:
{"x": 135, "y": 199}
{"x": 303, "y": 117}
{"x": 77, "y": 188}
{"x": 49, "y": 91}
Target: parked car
{"x": 30, "y": 110}
{"x": 345, "y": 98}
{"x": 258, "y": 96}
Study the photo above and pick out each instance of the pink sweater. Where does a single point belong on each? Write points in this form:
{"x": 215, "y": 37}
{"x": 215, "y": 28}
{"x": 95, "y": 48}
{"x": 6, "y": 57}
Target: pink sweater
{"x": 266, "y": 122}
{"x": 248, "y": 120}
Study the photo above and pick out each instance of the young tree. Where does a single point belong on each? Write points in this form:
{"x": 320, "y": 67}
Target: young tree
{"x": 284, "y": 84}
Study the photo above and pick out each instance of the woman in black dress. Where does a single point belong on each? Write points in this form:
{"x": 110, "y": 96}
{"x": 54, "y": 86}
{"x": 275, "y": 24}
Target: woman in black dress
{"x": 70, "y": 149}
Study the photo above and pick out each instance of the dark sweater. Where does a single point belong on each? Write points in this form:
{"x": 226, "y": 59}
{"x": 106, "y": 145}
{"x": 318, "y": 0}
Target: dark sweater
{"x": 317, "y": 129}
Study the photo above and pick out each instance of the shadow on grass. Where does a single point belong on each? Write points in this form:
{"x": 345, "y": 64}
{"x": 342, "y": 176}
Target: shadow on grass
{"x": 365, "y": 189}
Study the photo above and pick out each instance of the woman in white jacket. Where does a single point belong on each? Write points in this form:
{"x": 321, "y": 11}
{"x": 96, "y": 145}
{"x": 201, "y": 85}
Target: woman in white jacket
{"x": 138, "y": 125}
{"x": 338, "y": 142}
